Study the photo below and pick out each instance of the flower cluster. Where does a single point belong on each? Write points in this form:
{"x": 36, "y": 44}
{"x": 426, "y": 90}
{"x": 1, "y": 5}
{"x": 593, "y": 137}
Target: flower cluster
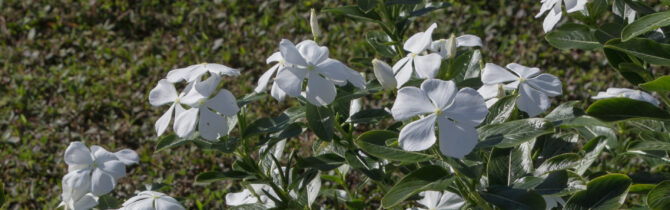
{"x": 554, "y": 11}
{"x": 212, "y": 113}
{"x": 307, "y": 60}
{"x": 91, "y": 173}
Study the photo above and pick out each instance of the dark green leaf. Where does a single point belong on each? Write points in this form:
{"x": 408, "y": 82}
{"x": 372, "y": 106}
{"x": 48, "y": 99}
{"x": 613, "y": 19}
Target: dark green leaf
{"x": 369, "y": 116}
{"x": 367, "y": 5}
{"x": 615, "y": 58}
{"x": 325, "y": 162}
{"x": 508, "y": 198}
{"x": 555, "y": 182}
{"x": 381, "y": 42}
{"x": 591, "y": 150}
{"x": 573, "y": 36}
{"x": 425, "y": 178}
{"x": 650, "y": 145}
{"x": 514, "y": 133}
{"x": 645, "y": 49}
{"x": 645, "y": 24}
{"x": 361, "y": 163}
{"x": 170, "y": 141}
{"x": 355, "y": 13}
{"x": 605, "y": 192}
{"x": 501, "y": 110}
{"x": 659, "y": 197}
{"x": 214, "y": 176}
{"x": 661, "y": 85}
{"x": 558, "y": 162}
{"x": 107, "y": 202}
{"x": 615, "y": 109}
{"x": 251, "y": 98}
{"x": 320, "y": 120}
{"x": 373, "y": 142}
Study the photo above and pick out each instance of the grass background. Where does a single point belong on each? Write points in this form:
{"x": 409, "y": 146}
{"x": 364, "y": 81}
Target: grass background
{"x": 82, "y": 70}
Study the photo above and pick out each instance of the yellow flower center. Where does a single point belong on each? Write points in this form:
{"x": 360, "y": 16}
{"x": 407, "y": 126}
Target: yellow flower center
{"x": 413, "y": 55}
{"x": 310, "y": 67}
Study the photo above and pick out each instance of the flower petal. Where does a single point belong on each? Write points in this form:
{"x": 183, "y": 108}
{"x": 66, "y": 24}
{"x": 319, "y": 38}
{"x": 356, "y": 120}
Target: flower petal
{"x": 489, "y": 91}
{"x": 468, "y": 40}
{"x": 523, "y": 71}
{"x": 163, "y": 93}
{"x": 547, "y": 83}
{"x": 76, "y": 184}
{"x": 275, "y": 57}
{"x": 206, "y": 88}
{"x": 575, "y": 5}
{"x": 320, "y": 91}
{"x": 184, "y": 123}
{"x": 290, "y": 80}
{"x": 333, "y": 70}
{"x": 290, "y": 53}
{"x": 180, "y": 74}
{"x": 167, "y": 203}
{"x": 427, "y": 66}
{"x": 277, "y": 92}
{"x": 420, "y": 41}
{"x": 404, "y": 74}
{"x": 430, "y": 199}
{"x": 265, "y": 79}
{"x": 418, "y": 135}
{"x": 115, "y": 168}
{"x": 312, "y": 52}
{"x": 400, "y": 63}
{"x": 441, "y": 92}
{"x": 88, "y": 201}
{"x": 211, "y": 126}
{"x": 240, "y": 198}
{"x": 219, "y": 69}
{"x": 102, "y": 183}
{"x": 384, "y": 74}
{"x": 101, "y": 154}
{"x": 552, "y": 18}
{"x": 494, "y": 74}
{"x": 450, "y": 200}
{"x": 532, "y": 101}
{"x": 410, "y": 102}
{"x": 163, "y": 122}
{"x": 456, "y": 139}
{"x": 127, "y": 156}
{"x": 78, "y": 154}
{"x": 469, "y": 108}
{"x": 224, "y": 102}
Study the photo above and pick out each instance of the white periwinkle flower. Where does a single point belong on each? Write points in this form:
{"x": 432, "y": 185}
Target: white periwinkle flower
{"x": 195, "y": 72}
{"x": 150, "y": 200}
{"x": 97, "y": 168}
{"x": 435, "y": 200}
{"x": 426, "y": 66}
{"x": 309, "y": 60}
{"x": 211, "y": 125}
{"x": 76, "y": 186}
{"x": 314, "y": 24}
{"x": 384, "y": 74}
{"x": 456, "y": 112}
{"x": 491, "y": 93}
{"x": 627, "y": 93}
{"x": 534, "y": 88}
{"x": 555, "y": 11}
{"x": 263, "y": 81}
{"x": 246, "y": 196}
{"x": 447, "y": 47}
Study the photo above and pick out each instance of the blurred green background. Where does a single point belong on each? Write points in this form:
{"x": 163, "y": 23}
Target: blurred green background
{"x": 82, "y": 70}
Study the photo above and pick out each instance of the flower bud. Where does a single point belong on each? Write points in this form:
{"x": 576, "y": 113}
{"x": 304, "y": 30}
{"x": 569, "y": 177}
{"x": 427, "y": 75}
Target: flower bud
{"x": 451, "y": 46}
{"x": 314, "y": 24}
{"x": 384, "y": 74}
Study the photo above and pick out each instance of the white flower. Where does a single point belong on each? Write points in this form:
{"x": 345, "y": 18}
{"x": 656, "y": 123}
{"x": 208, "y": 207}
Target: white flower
{"x": 309, "y": 60}
{"x": 384, "y": 74}
{"x": 534, "y": 88}
{"x": 435, "y": 200}
{"x": 314, "y": 24}
{"x": 491, "y": 93}
{"x": 456, "y": 112}
{"x": 246, "y": 196}
{"x": 628, "y": 14}
{"x": 211, "y": 125}
{"x": 447, "y": 47}
{"x": 76, "y": 186}
{"x": 555, "y": 11}
{"x": 263, "y": 81}
{"x": 627, "y": 93}
{"x": 150, "y": 200}
{"x": 195, "y": 72}
{"x": 426, "y": 66}
{"x": 96, "y": 169}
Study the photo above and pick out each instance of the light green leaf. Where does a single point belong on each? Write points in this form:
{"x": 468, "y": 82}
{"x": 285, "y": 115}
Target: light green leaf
{"x": 645, "y": 24}
{"x": 661, "y": 84}
{"x": 659, "y": 197}
{"x": 573, "y": 36}
{"x": 557, "y": 163}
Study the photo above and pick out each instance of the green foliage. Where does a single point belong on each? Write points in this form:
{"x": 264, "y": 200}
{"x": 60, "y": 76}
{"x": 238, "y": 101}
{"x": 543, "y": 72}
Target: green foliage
{"x": 424, "y": 178}
{"x": 659, "y": 196}
{"x": 605, "y": 192}
{"x": 615, "y": 109}
{"x": 573, "y": 36}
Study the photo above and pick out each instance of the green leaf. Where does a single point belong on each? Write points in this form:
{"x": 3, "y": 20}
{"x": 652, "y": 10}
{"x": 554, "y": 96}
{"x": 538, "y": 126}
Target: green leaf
{"x": 509, "y": 198}
{"x": 426, "y": 178}
{"x": 635, "y": 73}
{"x": 465, "y": 66}
{"x": 513, "y": 133}
{"x": 616, "y": 58}
{"x": 591, "y": 150}
{"x": 650, "y": 145}
{"x": 641, "y": 188}
{"x": 215, "y": 176}
{"x": 2, "y": 194}
{"x": 596, "y": 8}
{"x": 555, "y": 182}
{"x": 369, "y": 116}
{"x": 573, "y": 36}
{"x": 381, "y": 42}
{"x": 170, "y": 141}
{"x": 659, "y": 197}
{"x": 605, "y": 192}
{"x": 501, "y": 110}
{"x": 557, "y": 163}
{"x": 325, "y": 162}
{"x": 645, "y": 24}
{"x": 360, "y": 163}
{"x": 645, "y": 49}
{"x": 106, "y": 202}
{"x": 506, "y": 166}
{"x": 615, "y": 109}
{"x": 367, "y": 5}
{"x": 373, "y": 142}
{"x": 661, "y": 85}
{"x": 354, "y": 12}
{"x": 320, "y": 120}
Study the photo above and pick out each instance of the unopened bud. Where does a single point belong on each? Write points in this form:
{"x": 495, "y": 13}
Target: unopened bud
{"x": 314, "y": 24}
{"x": 384, "y": 74}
